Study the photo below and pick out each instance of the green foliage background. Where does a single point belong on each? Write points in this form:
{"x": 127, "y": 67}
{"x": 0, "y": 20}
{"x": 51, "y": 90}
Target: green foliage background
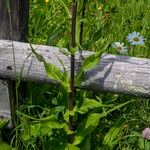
{"x": 103, "y": 121}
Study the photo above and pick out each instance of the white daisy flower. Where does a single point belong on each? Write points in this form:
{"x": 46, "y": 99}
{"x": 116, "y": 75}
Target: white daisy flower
{"x": 135, "y": 38}
{"x": 119, "y": 46}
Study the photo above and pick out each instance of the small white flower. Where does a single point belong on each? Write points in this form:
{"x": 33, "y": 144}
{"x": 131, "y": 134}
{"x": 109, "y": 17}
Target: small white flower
{"x": 119, "y": 46}
{"x": 135, "y": 38}
{"x": 146, "y": 133}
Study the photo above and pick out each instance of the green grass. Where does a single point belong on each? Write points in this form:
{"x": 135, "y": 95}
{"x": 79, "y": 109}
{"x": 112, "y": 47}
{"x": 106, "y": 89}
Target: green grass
{"x": 105, "y": 22}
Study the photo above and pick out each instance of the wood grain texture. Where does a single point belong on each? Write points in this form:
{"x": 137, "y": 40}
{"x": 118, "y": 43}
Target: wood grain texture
{"x": 13, "y": 26}
{"x": 119, "y": 74}
{"x": 8, "y": 31}
{"x": 4, "y": 100}
{"x": 5, "y": 26}
{"x": 33, "y": 70}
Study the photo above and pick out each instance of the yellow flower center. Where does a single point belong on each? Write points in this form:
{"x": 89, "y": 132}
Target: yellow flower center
{"x": 136, "y": 39}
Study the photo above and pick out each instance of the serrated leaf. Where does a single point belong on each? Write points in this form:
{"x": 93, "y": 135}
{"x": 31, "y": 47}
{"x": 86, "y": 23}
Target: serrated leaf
{"x": 90, "y": 104}
{"x": 112, "y": 109}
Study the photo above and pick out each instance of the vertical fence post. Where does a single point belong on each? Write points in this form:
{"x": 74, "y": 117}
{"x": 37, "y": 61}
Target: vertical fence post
{"x": 17, "y": 30}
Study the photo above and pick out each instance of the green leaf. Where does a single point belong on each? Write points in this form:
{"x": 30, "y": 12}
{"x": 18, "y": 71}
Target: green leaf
{"x": 112, "y": 109}
{"x": 73, "y": 49}
{"x": 54, "y": 124}
{"x": 52, "y": 71}
{"x": 31, "y": 131}
{"x": 97, "y": 35}
{"x": 71, "y": 147}
{"x": 112, "y": 138}
{"x": 87, "y": 64}
{"x": 67, "y": 114}
{"x": 5, "y": 146}
{"x": 90, "y": 104}
{"x": 46, "y": 129}
{"x": 3, "y": 123}
{"x": 86, "y": 145}
{"x": 141, "y": 142}
{"x": 86, "y": 127}
{"x": 147, "y": 145}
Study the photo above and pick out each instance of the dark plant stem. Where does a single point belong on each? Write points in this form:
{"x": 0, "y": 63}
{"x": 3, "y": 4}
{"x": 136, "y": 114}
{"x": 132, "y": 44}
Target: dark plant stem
{"x": 81, "y": 25}
{"x": 72, "y": 87}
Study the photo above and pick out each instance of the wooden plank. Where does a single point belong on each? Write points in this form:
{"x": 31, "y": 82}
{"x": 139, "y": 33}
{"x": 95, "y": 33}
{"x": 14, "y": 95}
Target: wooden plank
{"x": 33, "y": 70}
{"x": 4, "y": 100}
{"x": 119, "y": 74}
{"x": 13, "y": 26}
{"x": 6, "y": 32}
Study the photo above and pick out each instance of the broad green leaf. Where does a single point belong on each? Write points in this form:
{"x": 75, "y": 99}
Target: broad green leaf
{"x": 71, "y": 147}
{"x": 52, "y": 71}
{"x": 46, "y": 129}
{"x": 112, "y": 138}
{"x": 87, "y": 64}
{"x": 90, "y": 104}
{"x": 54, "y": 124}
{"x": 31, "y": 131}
{"x": 86, "y": 145}
{"x": 86, "y": 127}
{"x": 67, "y": 114}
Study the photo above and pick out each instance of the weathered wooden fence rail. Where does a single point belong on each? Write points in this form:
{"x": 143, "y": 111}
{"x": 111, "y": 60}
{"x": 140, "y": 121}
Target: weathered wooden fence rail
{"x": 119, "y": 74}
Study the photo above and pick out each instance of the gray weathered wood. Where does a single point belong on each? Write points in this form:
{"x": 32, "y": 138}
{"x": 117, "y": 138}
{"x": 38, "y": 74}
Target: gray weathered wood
{"x": 14, "y": 26}
{"x": 5, "y": 33}
{"x": 4, "y": 100}
{"x": 119, "y": 74}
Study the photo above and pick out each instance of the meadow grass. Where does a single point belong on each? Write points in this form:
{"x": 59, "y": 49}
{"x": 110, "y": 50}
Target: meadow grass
{"x": 105, "y": 22}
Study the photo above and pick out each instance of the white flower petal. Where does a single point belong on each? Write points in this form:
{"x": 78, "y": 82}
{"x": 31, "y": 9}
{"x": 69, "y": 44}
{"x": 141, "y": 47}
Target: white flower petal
{"x": 135, "y": 35}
